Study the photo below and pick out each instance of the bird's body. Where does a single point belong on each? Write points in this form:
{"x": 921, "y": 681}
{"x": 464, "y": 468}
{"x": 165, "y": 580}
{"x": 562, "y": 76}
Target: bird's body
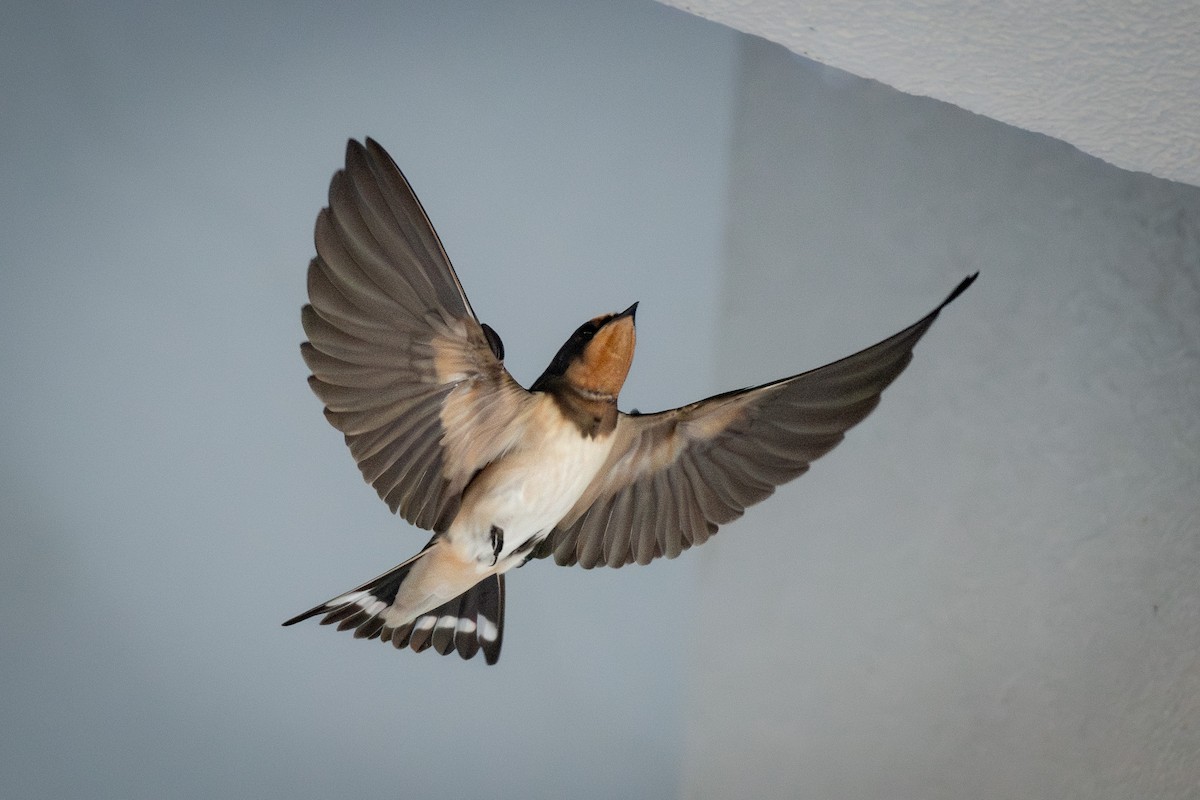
{"x": 520, "y": 497}
{"x": 529, "y": 489}
{"x": 501, "y": 474}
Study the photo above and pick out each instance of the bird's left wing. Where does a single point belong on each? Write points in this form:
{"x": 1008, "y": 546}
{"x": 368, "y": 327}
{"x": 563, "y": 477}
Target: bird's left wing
{"x": 404, "y": 368}
{"x": 673, "y": 477}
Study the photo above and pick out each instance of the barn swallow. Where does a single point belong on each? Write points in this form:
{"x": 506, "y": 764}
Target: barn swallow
{"x": 501, "y": 474}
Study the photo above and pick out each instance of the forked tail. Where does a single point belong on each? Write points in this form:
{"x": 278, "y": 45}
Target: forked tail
{"x": 471, "y": 622}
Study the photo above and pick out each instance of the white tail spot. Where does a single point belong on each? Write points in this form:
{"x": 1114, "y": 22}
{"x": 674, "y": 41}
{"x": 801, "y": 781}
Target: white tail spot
{"x": 349, "y": 597}
{"x": 487, "y": 629}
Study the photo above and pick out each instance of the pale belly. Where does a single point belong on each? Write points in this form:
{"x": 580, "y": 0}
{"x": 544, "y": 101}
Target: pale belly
{"x": 525, "y": 495}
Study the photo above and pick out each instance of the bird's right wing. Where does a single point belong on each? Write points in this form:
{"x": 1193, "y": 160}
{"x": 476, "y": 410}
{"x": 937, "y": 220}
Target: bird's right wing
{"x": 403, "y": 366}
{"x": 673, "y": 477}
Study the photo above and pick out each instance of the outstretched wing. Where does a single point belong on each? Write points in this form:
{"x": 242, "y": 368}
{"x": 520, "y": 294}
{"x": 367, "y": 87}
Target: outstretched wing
{"x": 673, "y": 477}
{"x": 402, "y": 364}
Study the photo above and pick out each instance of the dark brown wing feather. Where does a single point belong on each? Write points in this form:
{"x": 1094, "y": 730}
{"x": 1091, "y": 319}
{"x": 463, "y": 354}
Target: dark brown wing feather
{"x": 672, "y": 478}
{"x": 398, "y": 357}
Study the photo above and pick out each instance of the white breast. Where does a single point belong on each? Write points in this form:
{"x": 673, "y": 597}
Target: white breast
{"x": 528, "y": 491}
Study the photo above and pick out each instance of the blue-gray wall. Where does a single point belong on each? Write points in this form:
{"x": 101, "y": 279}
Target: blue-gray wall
{"x": 991, "y": 589}
{"x": 170, "y": 491}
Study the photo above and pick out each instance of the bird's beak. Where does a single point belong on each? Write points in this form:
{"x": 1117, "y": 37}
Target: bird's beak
{"x": 630, "y": 312}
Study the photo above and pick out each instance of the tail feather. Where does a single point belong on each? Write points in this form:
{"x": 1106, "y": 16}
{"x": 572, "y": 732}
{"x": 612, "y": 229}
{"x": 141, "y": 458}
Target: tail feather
{"x": 471, "y": 622}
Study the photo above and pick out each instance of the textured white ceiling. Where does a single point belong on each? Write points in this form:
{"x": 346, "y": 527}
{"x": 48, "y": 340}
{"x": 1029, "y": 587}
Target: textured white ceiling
{"x": 1118, "y": 79}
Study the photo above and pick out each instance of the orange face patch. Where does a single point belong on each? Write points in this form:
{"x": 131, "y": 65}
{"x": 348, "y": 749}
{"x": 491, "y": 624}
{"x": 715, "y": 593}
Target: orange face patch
{"x": 605, "y": 361}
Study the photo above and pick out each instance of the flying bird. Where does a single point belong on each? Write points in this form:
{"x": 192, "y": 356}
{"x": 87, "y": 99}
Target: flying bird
{"x": 502, "y": 474}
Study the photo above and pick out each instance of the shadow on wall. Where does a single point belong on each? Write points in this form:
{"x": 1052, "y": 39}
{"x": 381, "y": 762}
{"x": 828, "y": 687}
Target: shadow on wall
{"x": 991, "y": 588}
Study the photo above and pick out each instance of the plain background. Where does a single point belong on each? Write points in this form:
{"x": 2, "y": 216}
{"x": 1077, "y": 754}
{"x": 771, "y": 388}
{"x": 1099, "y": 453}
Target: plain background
{"x": 989, "y": 590}
{"x": 170, "y": 490}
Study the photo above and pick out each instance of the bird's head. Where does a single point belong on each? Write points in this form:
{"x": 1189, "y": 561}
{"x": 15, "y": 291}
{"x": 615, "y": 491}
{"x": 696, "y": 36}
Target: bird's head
{"x": 597, "y": 357}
